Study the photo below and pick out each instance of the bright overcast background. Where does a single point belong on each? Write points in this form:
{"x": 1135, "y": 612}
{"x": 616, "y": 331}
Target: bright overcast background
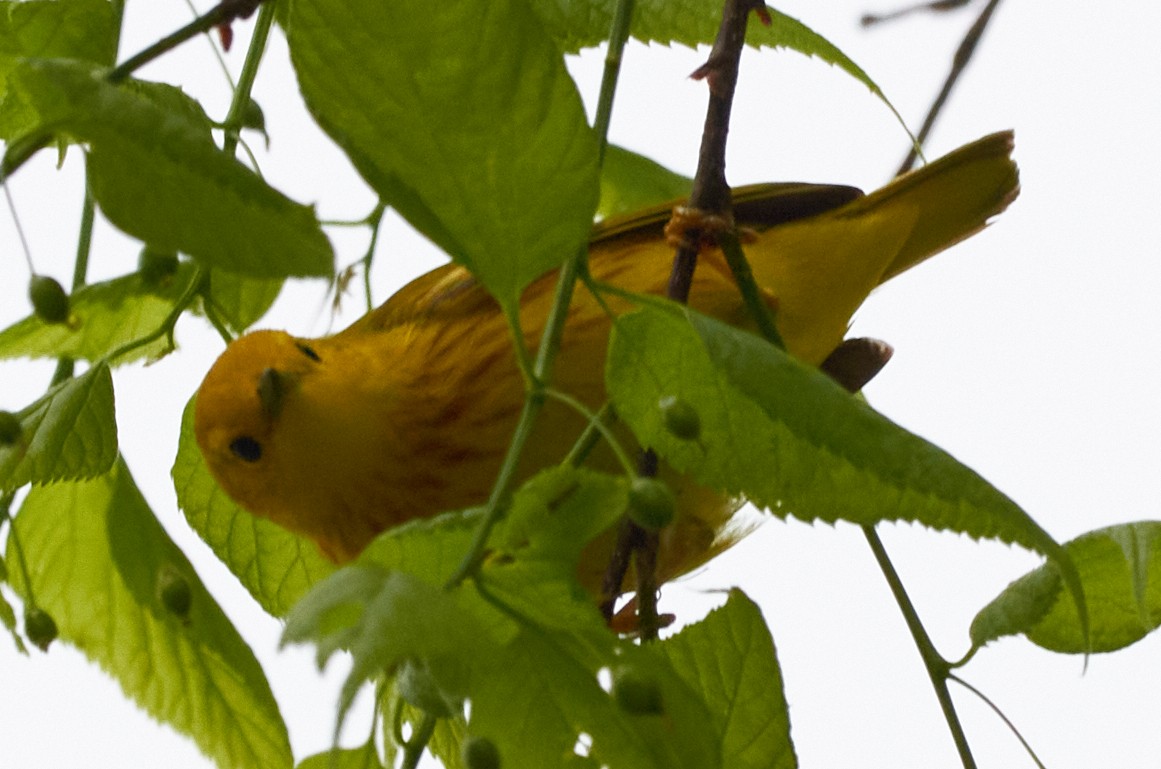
{"x": 1027, "y": 352}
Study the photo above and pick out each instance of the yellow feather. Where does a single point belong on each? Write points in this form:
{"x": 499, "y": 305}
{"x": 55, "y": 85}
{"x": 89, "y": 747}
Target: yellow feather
{"x": 407, "y": 413}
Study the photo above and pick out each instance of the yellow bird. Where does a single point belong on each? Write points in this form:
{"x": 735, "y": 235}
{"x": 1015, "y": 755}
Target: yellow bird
{"x": 408, "y": 412}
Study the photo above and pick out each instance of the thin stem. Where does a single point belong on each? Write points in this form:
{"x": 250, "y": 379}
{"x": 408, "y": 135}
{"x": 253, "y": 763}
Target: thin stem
{"x": 936, "y": 6}
{"x": 566, "y": 282}
{"x": 595, "y": 423}
{"x": 374, "y": 220}
{"x": 937, "y": 667}
{"x": 751, "y": 293}
{"x": 14, "y": 537}
{"x": 64, "y": 364}
{"x": 645, "y": 559}
{"x": 223, "y": 13}
{"x": 195, "y": 287}
{"x": 494, "y": 508}
{"x": 215, "y": 321}
{"x": 533, "y": 382}
{"x": 540, "y": 375}
{"x": 246, "y": 79}
{"x": 618, "y": 35}
{"x": 413, "y": 748}
{"x": 1007, "y": 722}
{"x": 84, "y": 242}
{"x": 594, "y": 431}
{"x": 397, "y": 722}
{"x": 213, "y": 47}
{"x": 959, "y": 63}
{"x": 19, "y": 228}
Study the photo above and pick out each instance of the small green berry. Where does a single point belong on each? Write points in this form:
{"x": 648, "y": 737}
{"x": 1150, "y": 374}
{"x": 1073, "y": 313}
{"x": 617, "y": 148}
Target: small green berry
{"x": 681, "y": 419}
{"x": 480, "y": 753}
{"x": 637, "y": 693}
{"x": 39, "y": 627}
{"x": 10, "y": 428}
{"x": 156, "y": 267}
{"x": 174, "y": 592}
{"x": 49, "y": 300}
{"x": 651, "y": 503}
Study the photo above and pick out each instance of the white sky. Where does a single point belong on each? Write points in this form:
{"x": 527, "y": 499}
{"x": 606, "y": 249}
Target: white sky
{"x": 1026, "y": 352}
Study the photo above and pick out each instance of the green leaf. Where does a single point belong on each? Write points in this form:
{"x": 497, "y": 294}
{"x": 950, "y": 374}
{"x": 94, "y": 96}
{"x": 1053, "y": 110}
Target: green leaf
{"x": 537, "y": 547}
{"x": 146, "y": 144}
{"x": 94, "y": 550}
{"x": 105, "y": 316}
{"x": 729, "y": 658}
{"x": 538, "y": 694}
{"x": 463, "y": 117}
{"x": 577, "y": 25}
{"x": 1120, "y": 568}
{"x": 522, "y": 641}
{"x": 386, "y": 618}
{"x": 430, "y": 549}
{"x": 446, "y": 740}
{"x": 365, "y": 757}
{"x": 555, "y": 513}
{"x": 1019, "y": 607}
{"x": 68, "y": 29}
{"x": 791, "y": 440}
{"x": 69, "y": 434}
{"x": 277, "y": 567}
{"x": 240, "y": 301}
{"x": 630, "y": 182}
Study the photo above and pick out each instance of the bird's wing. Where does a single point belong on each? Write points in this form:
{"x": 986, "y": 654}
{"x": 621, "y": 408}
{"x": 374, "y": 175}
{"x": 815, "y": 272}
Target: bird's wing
{"x": 451, "y": 291}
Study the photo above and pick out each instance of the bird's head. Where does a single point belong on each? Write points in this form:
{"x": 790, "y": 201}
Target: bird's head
{"x": 239, "y": 406}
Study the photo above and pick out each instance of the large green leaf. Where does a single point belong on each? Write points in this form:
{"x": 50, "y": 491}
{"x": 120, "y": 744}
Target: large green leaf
{"x": 69, "y": 434}
{"x": 71, "y": 29}
{"x": 276, "y": 566}
{"x": 584, "y": 24}
{"x": 630, "y": 182}
{"x": 792, "y": 441}
{"x": 385, "y": 619}
{"x": 536, "y": 695}
{"x": 103, "y": 317}
{"x": 157, "y": 174}
{"x": 239, "y": 301}
{"x": 95, "y": 553}
{"x": 68, "y": 29}
{"x": 729, "y": 657}
{"x": 1120, "y": 568}
{"x": 463, "y": 117}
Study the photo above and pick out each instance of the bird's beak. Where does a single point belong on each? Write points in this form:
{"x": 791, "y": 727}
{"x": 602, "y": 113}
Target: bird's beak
{"x": 273, "y": 386}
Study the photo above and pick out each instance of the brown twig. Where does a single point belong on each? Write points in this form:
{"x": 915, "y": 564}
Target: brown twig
{"x": 936, "y": 6}
{"x": 959, "y": 63}
{"x": 707, "y": 212}
{"x": 710, "y": 195}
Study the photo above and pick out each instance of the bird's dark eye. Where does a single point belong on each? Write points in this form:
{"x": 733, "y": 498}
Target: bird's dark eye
{"x": 246, "y": 449}
{"x": 308, "y": 351}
